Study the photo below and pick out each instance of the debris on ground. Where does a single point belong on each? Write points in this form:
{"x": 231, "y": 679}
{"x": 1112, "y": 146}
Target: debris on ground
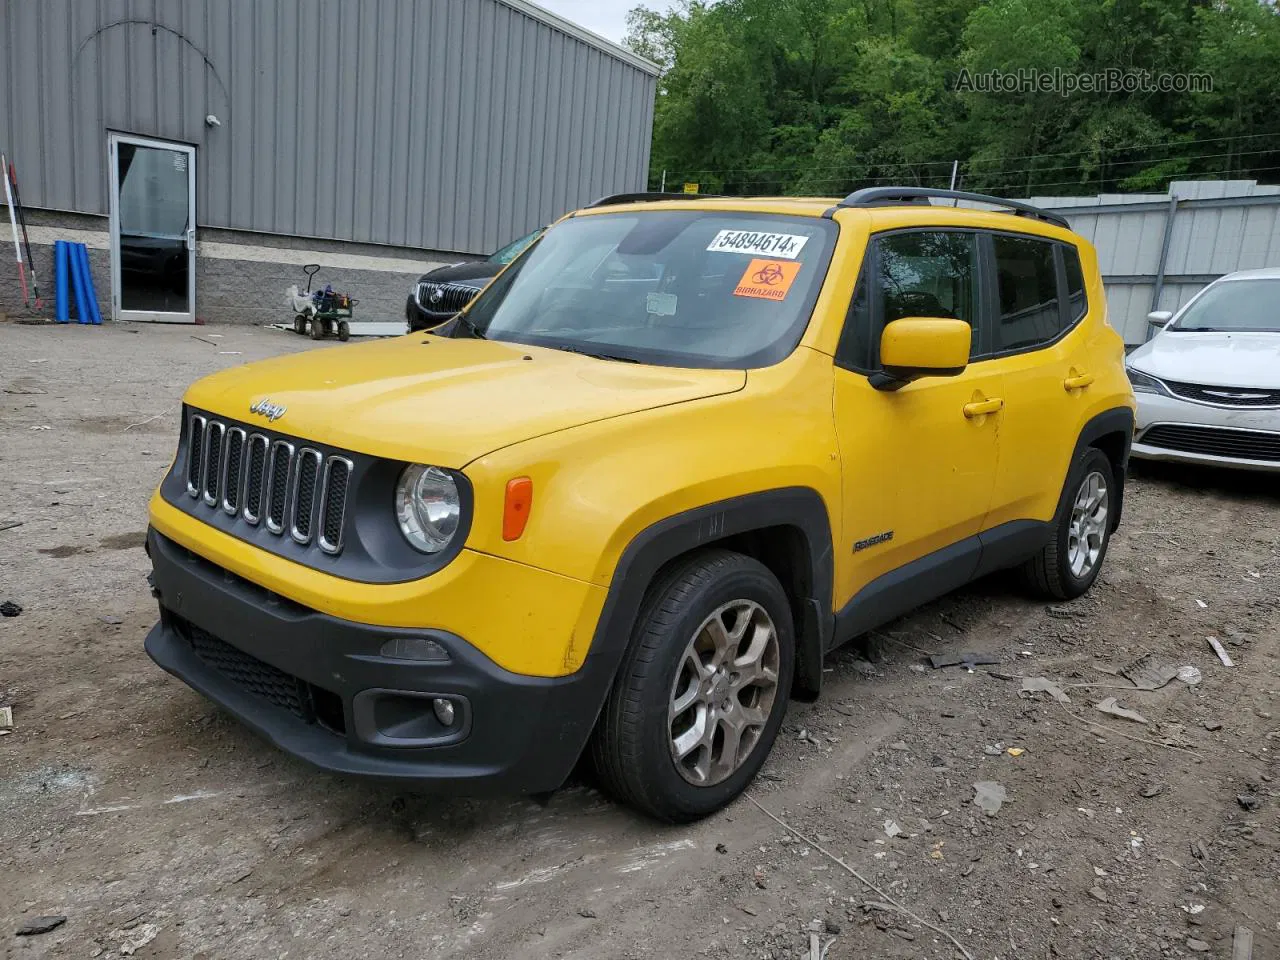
{"x": 1249, "y": 801}
{"x": 891, "y": 829}
{"x": 1242, "y": 944}
{"x": 587, "y": 913}
{"x": 9, "y": 525}
{"x": 967, "y": 659}
{"x": 1190, "y": 675}
{"x": 1041, "y": 685}
{"x": 1111, "y": 707}
{"x": 6, "y": 718}
{"x": 1212, "y": 725}
{"x": 1016, "y": 751}
{"x": 112, "y": 620}
{"x": 1148, "y": 673}
{"x": 1199, "y": 946}
{"x": 1220, "y": 651}
{"x": 989, "y": 796}
{"x": 139, "y": 938}
{"x": 1098, "y": 894}
{"x": 9, "y": 609}
{"x": 39, "y": 925}
{"x": 1152, "y": 790}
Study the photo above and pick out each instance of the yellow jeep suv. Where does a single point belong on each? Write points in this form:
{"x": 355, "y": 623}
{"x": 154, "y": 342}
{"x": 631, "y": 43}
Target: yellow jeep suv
{"x": 626, "y": 501}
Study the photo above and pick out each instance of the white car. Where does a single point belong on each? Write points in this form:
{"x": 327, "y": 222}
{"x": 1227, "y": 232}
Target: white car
{"x": 1208, "y": 384}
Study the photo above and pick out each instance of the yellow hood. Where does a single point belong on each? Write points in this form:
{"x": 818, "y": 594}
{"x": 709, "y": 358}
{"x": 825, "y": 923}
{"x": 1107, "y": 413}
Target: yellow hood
{"x": 442, "y": 401}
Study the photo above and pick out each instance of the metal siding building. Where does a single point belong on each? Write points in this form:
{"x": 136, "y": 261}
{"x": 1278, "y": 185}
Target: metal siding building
{"x": 1156, "y": 251}
{"x": 449, "y": 126}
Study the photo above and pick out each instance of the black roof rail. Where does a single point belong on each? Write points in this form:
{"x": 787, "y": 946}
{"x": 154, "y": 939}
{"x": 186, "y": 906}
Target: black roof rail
{"x": 884, "y": 196}
{"x": 618, "y": 198}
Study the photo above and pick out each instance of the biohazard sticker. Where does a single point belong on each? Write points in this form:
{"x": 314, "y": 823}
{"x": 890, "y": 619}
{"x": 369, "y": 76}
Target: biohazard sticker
{"x": 786, "y": 245}
{"x": 767, "y": 279}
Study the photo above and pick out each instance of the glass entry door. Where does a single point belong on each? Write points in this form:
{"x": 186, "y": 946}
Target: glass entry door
{"x": 153, "y": 229}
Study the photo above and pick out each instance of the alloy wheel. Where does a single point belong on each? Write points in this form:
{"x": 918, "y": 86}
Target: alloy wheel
{"x": 724, "y": 692}
{"x": 1087, "y": 533}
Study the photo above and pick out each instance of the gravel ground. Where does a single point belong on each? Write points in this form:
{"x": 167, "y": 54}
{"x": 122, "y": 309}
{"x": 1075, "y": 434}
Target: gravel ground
{"x": 160, "y": 828}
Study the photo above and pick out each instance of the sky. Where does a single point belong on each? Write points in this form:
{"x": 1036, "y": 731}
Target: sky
{"x": 605, "y": 17}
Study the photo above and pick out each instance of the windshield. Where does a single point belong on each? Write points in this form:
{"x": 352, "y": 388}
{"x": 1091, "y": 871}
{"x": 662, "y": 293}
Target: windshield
{"x": 1236, "y": 306}
{"x": 691, "y": 288}
{"x": 514, "y": 248}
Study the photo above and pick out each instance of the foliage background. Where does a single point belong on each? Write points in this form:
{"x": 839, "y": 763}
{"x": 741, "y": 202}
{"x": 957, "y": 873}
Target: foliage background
{"x": 823, "y": 96}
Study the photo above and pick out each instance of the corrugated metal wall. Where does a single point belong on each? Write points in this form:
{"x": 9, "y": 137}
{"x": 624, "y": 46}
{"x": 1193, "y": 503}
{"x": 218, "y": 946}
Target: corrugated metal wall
{"x": 1218, "y": 227}
{"x": 450, "y": 125}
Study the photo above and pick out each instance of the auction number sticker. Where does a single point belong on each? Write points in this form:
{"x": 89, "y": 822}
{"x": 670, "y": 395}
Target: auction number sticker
{"x": 787, "y": 245}
{"x": 767, "y": 279}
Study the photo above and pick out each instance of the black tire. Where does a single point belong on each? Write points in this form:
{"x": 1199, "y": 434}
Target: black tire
{"x": 631, "y": 745}
{"x": 318, "y": 328}
{"x": 1049, "y": 574}
{"x": 344, "y": 331}
{"x": 300, "y": 324}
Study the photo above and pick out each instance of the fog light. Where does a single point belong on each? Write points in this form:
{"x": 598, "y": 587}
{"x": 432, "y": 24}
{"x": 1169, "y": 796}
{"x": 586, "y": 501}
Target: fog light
{"x": 414, "y": 648}
{"x": 444, "y": 710}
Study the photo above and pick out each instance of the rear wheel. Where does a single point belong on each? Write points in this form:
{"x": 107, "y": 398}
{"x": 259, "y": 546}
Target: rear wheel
{"x": 344, "y": 331}
{"x": 701, "y": 691}
{"x": 300, "y": 324}
{"x": 1070, "y": 562}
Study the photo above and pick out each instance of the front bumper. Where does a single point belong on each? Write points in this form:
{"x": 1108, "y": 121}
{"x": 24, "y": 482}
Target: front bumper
{"x": 1156, "y": 411}
{"x": 317, "y": 687}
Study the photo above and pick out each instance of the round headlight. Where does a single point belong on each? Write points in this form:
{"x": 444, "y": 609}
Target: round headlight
{"x": 427, "y": 507}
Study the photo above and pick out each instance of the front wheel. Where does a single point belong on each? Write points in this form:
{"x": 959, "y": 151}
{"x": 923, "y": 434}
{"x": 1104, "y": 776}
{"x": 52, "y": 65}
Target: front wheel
{"x": 701, "y": 691}
{"x": 1070, "y": 562}
{"x": 318, "y": 328}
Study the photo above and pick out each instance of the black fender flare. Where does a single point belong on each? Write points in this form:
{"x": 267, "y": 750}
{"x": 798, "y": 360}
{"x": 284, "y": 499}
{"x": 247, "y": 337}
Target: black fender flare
{"x": 1119, "y": 420}
{"x": 801, "y": 508}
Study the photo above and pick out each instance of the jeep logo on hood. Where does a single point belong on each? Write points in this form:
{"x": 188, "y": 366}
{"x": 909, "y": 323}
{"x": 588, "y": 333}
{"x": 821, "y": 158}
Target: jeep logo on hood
{"x": 264, "y": 407}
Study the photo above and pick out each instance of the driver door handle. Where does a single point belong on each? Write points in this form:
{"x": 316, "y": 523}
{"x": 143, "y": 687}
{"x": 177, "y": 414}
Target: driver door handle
{"x": 980, "y": 408}
{"x": 1077, "y": 381}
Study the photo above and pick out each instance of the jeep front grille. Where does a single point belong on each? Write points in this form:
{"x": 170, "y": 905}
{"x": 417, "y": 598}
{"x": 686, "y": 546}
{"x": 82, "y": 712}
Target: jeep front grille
{"x": 269, "y": 482}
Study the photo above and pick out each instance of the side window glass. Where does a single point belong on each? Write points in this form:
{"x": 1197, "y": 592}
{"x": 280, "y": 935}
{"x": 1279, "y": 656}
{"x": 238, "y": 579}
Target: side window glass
{"x": 1027, "y": 283}
{"x": 927, "y": 274}
{"x": 854, "y": 350}
{"x": 1077, "y": 302}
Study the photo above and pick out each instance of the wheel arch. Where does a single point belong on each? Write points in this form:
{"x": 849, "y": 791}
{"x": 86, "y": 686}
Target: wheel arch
{"x": 1111, "y": 432}
{"x": 788, "y": 530}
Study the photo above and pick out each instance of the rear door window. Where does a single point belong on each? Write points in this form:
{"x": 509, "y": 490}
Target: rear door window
{"x": 1026, "y": 276}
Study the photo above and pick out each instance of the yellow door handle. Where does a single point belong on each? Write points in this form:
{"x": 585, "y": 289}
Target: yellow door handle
{"x": 1078, "y": 382}
{"x": 980, "y": 408}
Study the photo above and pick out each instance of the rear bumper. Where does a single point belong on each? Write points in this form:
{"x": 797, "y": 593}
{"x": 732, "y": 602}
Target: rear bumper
{"x": 318, "y": 687}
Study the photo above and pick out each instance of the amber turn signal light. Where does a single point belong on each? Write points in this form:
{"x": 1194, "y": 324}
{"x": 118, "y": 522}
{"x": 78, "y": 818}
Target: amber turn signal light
{"x": 515, "y": 512}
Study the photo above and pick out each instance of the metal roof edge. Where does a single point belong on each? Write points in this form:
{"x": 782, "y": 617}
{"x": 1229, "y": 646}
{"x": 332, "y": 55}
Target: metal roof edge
{"x": 569, "y": 28}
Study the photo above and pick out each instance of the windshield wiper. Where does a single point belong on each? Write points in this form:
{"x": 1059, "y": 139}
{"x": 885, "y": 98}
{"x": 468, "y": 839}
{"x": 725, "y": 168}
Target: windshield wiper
{"x": 590, "y": 353}
{"x": 475, "y": 331}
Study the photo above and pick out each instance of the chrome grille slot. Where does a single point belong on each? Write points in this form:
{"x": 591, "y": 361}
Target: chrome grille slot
{"x": 304, "y": 495}
{"x": 250, "y": 479}
{"x": 333, "y": 503}
{"x": 279, "y": 476}
{"x": 255, "y": 473}
{"x": 233, "y": 470}
{"x": 194, "y": 453}
{"x": 212, "y": 473}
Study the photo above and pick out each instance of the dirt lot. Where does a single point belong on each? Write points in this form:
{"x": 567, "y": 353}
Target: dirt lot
{"x": 160, "y": 828}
